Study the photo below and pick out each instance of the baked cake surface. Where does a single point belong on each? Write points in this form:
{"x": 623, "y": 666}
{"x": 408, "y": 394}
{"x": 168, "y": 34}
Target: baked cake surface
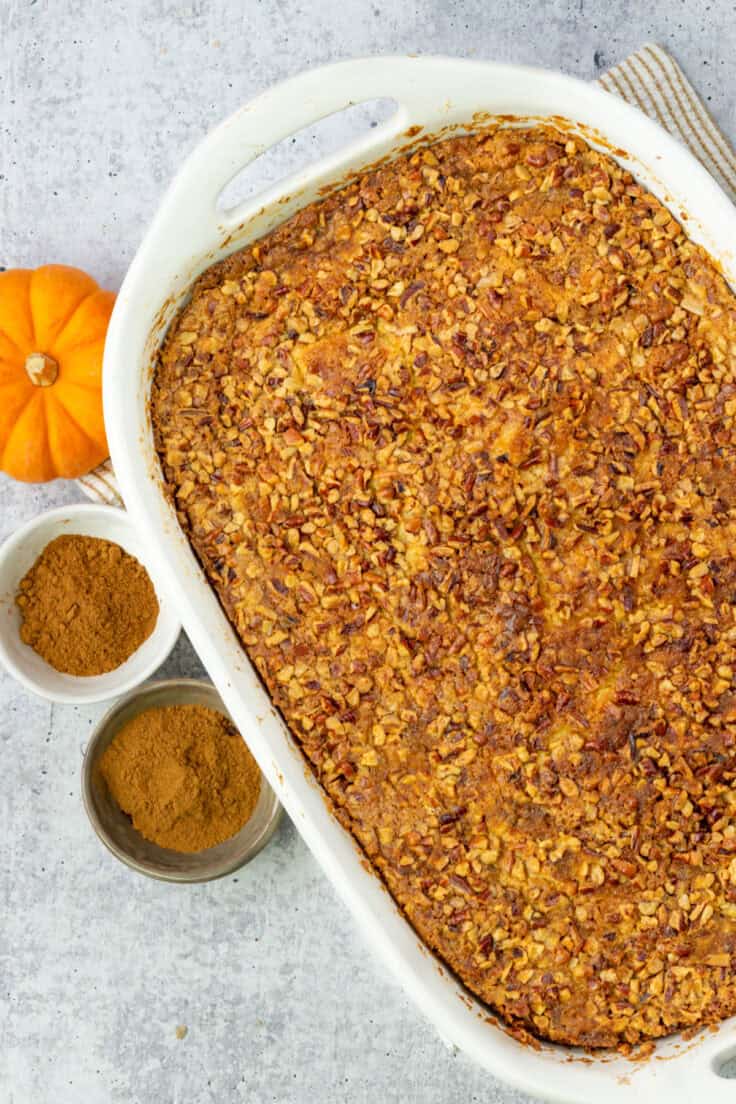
{"x": 455, "y": 447}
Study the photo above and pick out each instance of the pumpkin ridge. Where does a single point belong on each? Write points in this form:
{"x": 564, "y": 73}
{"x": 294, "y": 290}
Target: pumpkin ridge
{"x": 73, "y": 383}
{"x": 67, "y": 349}
{"x": 67, "y": 321}
{"x": 52, "y": 288}
{"x": 57, "y": 397}
{"x": 29, "y": 308}
{"x": 54, "y": 410}
{"x": 59, "y": 338}
{"x": 21, "y": 355}
{"x": 36, "y": 393}
{"x": 18, "y": 414}
{"x": 9, "y": 373}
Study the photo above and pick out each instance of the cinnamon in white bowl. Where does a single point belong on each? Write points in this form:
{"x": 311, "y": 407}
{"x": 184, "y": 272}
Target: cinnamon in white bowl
{"x": 86, "y": 605}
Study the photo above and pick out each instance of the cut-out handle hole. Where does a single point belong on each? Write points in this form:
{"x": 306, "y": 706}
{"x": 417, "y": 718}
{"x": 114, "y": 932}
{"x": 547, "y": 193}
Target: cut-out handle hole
{"x": 725, "y": 1064}
{"x": 299, "y": 150}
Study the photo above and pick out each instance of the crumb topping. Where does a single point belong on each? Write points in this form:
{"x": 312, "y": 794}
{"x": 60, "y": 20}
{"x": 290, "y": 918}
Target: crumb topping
{"x": 455, "y": 447}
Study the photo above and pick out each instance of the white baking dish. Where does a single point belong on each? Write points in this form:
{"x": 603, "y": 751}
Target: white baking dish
{"x": 189, "y": 233}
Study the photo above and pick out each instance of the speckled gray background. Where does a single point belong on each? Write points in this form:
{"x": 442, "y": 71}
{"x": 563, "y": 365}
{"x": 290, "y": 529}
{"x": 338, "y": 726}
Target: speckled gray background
{"x": 99, "y": 102}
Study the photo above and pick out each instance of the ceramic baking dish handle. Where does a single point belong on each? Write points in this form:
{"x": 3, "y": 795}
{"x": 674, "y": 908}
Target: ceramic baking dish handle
{"x": 715, "y": 1090}
{"x": 693, "y": 1077}
{"x": 281, "y": 111}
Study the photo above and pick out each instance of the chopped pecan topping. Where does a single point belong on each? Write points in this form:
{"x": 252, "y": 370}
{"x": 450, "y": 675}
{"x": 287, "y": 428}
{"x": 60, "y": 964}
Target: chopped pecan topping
{"x": 455, "y": 447}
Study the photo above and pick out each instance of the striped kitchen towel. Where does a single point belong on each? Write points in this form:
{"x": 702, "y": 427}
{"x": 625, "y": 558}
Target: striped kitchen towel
{"x": 650, "y": 80}
{"x": 653, "y": 82}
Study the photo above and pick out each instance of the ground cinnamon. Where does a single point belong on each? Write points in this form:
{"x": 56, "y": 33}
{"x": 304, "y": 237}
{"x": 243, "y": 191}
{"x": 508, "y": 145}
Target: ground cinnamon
{"x": 86, "y": 605}
{"x": 184, "y": 776}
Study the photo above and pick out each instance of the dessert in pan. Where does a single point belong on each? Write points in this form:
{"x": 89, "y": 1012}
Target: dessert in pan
{"x": 454, "y": 447}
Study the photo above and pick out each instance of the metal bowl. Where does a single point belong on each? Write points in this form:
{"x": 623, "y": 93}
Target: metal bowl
{"x": 114, "y": 827}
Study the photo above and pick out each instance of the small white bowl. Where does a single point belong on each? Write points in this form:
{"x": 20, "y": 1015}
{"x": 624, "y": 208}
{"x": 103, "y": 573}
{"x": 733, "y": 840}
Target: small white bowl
{"x": 17, "y": 556}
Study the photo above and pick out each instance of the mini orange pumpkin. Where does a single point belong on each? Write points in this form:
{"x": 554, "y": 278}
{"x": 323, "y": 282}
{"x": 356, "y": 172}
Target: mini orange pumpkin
{"x": 53, "y": 323}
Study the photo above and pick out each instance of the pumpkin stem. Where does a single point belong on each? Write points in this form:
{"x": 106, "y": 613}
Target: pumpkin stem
{"x": 42, "y": 370}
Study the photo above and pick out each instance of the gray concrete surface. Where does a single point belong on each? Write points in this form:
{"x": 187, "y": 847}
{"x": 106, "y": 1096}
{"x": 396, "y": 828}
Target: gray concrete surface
{"x": 99, "y": 102}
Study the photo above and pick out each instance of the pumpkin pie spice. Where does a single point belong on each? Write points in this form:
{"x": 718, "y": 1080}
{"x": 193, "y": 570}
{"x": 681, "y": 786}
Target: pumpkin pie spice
{"x": 184, "y": 776}
{"x": 86, "y": 605}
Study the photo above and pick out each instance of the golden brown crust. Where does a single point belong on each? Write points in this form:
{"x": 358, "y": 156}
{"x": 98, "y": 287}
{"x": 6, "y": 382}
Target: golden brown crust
{"x": 455, "y": 448}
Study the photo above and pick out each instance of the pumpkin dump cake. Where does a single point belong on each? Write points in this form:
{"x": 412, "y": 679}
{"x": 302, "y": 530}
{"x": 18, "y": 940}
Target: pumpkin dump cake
{"x": 455, "y": 448}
